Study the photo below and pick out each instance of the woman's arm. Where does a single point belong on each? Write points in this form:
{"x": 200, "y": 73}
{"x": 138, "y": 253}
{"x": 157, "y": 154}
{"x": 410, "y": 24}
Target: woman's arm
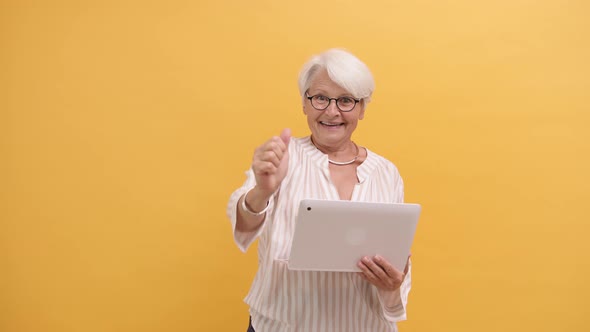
{"x": 245, "y": 228}
{"x": 393, "y": 286}
{"x": 248, "y": 205}
{"x": 251, "y": 210}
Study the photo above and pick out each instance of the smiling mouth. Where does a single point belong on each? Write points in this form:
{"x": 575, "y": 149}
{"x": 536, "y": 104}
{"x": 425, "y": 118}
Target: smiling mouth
{"x": 331, "y": 125}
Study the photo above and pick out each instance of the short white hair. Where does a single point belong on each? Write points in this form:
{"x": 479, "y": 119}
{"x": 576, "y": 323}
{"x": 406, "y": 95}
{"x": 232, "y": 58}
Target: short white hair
{"x": 344, "y": 69}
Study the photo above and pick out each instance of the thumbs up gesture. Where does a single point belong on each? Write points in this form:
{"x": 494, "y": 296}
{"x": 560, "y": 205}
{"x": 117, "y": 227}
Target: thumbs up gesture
{"x": 271, "y": 161}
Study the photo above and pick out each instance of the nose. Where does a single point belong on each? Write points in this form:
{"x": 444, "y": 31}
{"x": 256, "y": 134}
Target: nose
{"x": 332, "y": 108}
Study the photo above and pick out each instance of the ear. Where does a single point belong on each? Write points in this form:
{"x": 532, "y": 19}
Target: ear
{"x": 362, "y": 112}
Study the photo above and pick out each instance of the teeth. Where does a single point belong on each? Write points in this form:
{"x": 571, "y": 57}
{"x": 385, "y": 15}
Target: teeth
{"x": 330, "y": 124}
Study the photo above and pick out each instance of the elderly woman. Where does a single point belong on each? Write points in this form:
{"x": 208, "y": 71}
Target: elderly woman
{"x": 335, "y": 89}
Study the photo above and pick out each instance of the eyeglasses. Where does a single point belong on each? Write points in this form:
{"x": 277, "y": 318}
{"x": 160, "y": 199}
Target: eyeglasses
{"x": 321, "y": 102}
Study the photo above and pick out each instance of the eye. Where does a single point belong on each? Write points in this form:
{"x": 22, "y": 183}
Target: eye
{"x": 345, "y": 101}
{"x": 320, "y": 98}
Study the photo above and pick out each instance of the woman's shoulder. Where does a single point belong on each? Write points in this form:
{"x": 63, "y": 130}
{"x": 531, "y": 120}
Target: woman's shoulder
{"x": 381, "y": 162}
{"x": 303, "y": 140}
{"x": 300, "y": 143}
{"x": 379, "y": 158}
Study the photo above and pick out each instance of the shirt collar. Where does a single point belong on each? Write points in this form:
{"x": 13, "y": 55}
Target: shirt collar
{"x": 321, "y": 160}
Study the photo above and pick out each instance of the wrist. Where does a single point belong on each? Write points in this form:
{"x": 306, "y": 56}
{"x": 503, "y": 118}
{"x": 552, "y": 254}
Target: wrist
{"x": 255, "y": 202}
{"x": 257, "y": 195}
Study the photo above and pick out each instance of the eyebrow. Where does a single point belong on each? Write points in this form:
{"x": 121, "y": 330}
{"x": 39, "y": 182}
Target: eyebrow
{"x": 324, "y": 93}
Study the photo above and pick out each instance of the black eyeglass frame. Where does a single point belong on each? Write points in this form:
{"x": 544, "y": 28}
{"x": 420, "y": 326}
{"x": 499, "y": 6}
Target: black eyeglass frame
{"x": 356, "y": 101}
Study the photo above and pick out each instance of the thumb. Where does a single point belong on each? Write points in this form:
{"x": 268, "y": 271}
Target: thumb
{"x": 286, "y": 136}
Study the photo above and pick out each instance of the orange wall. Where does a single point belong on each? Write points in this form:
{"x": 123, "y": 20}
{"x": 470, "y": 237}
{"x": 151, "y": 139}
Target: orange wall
{"x": 125, "y": 125}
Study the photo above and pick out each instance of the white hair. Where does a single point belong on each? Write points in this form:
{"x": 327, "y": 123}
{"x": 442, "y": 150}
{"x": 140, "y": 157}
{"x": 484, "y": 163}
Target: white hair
{"x": 344, "y": 69}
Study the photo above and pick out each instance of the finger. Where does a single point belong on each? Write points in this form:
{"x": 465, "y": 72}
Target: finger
{"x": 273, "y": 146}
{"x": 372, "y": 281}
{"x": 277, "y": 146}
{"x": 286, "y": 136}
{"x": 375, "y": 269}
{"x": 264, "y": 167}
{"x": 407, "y": 268}
{"x": 271, "y": 156}
{"x": 367, "y": 274}
{"x": 389, "y": 269}
{"x": 274, "y": 143}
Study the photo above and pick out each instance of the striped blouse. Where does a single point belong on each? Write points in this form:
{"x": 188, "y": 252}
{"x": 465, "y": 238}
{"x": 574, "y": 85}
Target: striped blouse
{"x": 285, "y": 300}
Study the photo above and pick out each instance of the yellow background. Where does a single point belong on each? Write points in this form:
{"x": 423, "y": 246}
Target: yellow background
{"x": 125, "y": 126}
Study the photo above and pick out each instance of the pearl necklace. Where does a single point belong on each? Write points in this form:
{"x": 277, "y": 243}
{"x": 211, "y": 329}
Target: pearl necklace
{"x": 341, "y": 163}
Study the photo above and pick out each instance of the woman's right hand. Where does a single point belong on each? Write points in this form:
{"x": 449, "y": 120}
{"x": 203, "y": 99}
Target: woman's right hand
{"x": 270, "y": 163}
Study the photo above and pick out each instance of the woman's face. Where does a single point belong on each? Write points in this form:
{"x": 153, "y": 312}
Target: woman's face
{"x": 330, "y": 127}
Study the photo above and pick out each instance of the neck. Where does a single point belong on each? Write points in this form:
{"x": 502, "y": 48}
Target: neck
{"x": 339, "y": 155}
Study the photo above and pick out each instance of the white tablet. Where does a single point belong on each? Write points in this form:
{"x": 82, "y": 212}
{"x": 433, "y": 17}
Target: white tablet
{"x": 335, "y": 235}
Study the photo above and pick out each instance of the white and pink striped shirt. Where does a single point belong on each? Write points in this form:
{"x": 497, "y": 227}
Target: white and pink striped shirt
{"x": 285, "y": 300}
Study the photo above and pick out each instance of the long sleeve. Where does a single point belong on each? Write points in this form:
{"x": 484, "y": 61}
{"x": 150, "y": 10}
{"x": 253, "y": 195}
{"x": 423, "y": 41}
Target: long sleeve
{"x": 243, "y": 239}
{"x": 394, "y": 303}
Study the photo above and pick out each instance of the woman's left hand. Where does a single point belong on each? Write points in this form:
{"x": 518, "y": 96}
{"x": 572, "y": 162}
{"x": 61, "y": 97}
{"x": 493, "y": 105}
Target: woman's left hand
{"x": 381, "y": 273}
